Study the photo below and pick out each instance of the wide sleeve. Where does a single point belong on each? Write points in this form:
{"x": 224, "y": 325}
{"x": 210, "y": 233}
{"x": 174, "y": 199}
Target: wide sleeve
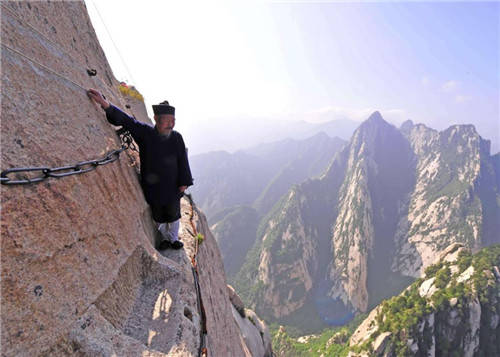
{"x": 116, "y": 117}
{"x": 185, "y": 178}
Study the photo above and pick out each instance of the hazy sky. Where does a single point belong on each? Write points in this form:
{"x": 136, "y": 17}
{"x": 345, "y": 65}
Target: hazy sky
{"x": 435, "y": 62}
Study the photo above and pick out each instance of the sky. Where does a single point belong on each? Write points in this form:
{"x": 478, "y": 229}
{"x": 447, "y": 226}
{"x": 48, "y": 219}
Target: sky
{"x": 435, "y": 63}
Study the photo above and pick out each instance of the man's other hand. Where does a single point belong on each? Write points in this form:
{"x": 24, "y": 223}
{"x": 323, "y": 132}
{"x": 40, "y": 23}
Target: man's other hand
{"x": 95, "y": 95}
{"x": 182, "y": 188}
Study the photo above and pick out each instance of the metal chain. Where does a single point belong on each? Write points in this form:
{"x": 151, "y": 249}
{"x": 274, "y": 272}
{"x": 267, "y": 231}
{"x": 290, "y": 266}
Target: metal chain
{"x": 76, "y": 169}
{"x": 203, "y": 350}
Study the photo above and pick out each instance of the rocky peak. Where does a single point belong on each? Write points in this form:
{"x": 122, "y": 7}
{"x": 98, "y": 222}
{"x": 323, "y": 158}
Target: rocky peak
{"x": 422, "y": 138}
{"x": 406, "y": 127}
{"x": 462, "y": 137}
{"x": 375, "y": 120}
{"x": 375, "y": 116}
{"x": 371, "y": 134}
{"x": 460, "y": 130}
{"x": 368, "y": 198}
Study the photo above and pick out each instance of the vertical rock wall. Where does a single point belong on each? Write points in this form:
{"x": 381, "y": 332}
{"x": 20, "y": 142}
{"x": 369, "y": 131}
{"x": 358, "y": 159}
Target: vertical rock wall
{"x": 63, "y": 240}
{"x": 80, "y": 275}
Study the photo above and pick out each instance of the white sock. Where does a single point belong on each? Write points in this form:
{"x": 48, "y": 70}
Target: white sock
{"x": 164, "y": 230}
{"x": 170, "y": 231}
{"x": 173, "y": 230}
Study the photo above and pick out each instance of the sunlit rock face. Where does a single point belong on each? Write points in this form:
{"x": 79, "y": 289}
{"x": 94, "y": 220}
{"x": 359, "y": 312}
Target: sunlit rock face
{"x": 449, "y": 203}
{"x": 379, "y": 175}
{"x": 451, "y": 309}
{"x": 80, "y": 275}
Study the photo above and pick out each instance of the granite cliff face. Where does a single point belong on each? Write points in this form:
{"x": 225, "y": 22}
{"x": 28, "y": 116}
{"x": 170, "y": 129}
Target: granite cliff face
{"x": 391, "y": 201}
{"x": 80, "y": 275}
{"x": 451, "y": 310}
{"x": 378, "y": 175}
{"x": 454, "y": 196}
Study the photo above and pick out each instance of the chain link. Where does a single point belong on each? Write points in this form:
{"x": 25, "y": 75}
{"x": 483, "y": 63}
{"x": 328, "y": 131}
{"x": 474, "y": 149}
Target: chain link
{"x": 43, "y": 173}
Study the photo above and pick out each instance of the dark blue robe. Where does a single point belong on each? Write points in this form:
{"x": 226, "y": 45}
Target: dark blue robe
{"x": 164, "y": 162}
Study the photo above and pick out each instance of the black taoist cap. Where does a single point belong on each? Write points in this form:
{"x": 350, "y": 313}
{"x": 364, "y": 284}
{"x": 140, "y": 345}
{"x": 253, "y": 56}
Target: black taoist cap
{"x": 163, "y": 108}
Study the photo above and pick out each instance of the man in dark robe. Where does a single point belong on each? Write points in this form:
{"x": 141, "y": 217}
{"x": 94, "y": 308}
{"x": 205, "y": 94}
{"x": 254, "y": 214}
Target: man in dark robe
{"x": 165, "y": 172}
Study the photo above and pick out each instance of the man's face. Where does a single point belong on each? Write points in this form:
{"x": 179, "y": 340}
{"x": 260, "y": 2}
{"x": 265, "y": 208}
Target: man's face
{"x": 165, "y": 122}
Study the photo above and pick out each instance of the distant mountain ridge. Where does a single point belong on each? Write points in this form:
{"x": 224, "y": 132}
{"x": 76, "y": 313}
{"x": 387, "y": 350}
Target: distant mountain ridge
{"x": 224, "y": 180}
{"x": 232, "y": 135}
{"x": 389, "y": 203}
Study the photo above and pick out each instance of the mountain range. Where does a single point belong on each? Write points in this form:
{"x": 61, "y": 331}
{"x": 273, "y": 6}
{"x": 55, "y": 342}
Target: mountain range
{"x": 237, "y": 190}
{"x": 233, "y": 134}
{"x": 390, "y": 202}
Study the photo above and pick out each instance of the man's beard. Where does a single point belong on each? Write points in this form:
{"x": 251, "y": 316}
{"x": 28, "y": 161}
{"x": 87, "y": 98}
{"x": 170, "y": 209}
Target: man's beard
{"x": 167, "y": 133}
